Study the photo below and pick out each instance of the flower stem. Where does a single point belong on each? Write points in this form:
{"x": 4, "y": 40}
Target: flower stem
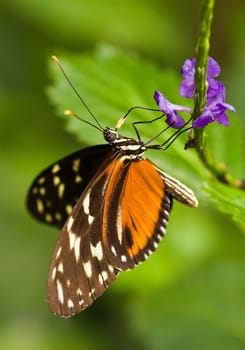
{"x": 218, "y": 169}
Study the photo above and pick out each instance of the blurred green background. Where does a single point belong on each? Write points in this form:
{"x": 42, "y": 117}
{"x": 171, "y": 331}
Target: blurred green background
{"x": 191, "y": 293}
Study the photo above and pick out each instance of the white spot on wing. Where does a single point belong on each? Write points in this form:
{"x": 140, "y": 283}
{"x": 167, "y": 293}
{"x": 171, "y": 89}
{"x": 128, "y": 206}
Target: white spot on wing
{"x": 76, "y": 165}
{"x": 74, "y": 243}
{"x": 60, "y": 292}
{"x": 70, "y": 223}
{"x": 55, "y": 168}
{"x": 155, "y": 245}
{"x": 61, "y": 189}
{"x": 101, "y": 281}
{"x": 86, "y": 204}
{"x": 72, "y": 239}
{"x": 79, "y": 292}
{"x": 58, "y": 252}
{"x": 104, "y": 275}
{"x": 53, "y": 273}
{"x": 159, "y": 237}
{"x": 111, "y": 268}
{"x": 68, "y": 209}
{"x": 40, "y": 207}
{"x": 70, "y": 303}
{"x": 48, "y": 217}
{"x": 113, "y": 250}
{"x": 56, "y": 180}
{"x": 42, "y": 191}
{"x": 162, "y": 229}
{"x": 90, "y": 219}
{"x": 164, "y": 221}
{"x": 78, "y": 179}
{"x": 87, "y": 268}
{"x": 41, "y": 180}
{"x": 123, "y": 258}
{"x": 77, "y": 248}
{"x": 61, "y": 267}
{"x": 97, "y": 251}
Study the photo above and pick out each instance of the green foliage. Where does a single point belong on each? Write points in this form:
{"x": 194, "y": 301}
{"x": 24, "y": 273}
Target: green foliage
{"x": 229, "y": 200}
{"x": 190, "y": 292}
{"x": 181, "y": 324}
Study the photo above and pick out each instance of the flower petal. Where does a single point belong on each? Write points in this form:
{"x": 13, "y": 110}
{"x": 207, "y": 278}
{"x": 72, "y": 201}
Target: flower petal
{"x": 187, "y": 86}
{"x": 175, "y": 121}
{"x": 168, "y": 108}
{"x": 204, "y": 119}
{"x": 213, "y": 68}
{"x": 223, "y": 119}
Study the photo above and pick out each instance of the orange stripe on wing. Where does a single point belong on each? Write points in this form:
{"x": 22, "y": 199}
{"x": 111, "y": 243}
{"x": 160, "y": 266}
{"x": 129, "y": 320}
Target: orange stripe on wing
{"x": 141, "y": 202}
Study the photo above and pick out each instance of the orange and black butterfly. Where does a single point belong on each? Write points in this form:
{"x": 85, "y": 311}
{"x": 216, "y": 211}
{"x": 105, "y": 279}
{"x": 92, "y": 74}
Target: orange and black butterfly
{"x": 112, "y": 205}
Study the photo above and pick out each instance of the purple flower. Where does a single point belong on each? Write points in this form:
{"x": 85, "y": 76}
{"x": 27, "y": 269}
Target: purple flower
{"x": 173, "y": 118}
{"x": 187, "y": 87}
{"x": 215, "y": 101}
{"x": 215, "y": 108}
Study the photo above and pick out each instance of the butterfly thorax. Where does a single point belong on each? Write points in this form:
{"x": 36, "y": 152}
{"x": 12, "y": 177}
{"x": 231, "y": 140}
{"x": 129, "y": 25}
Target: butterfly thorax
{"x": 129, "y": 147}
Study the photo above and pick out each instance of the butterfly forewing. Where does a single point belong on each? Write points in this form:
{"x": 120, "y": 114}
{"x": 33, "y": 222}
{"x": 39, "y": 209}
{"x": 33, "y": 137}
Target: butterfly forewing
{"x": 135, "y": 213}
{"x": 55, "y": 191}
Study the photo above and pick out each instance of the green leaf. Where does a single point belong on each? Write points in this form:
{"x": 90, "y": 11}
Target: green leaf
{"x": 230, "y": 200}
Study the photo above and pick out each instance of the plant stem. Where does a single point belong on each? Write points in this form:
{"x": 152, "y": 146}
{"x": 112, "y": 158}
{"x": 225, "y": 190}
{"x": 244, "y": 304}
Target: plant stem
{"x": 218, "y": 169}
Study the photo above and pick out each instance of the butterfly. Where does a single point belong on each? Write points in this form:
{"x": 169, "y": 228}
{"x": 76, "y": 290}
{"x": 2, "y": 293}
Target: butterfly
{"x": 112, "y": 205}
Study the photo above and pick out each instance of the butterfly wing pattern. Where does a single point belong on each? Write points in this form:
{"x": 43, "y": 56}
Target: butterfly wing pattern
{"x": 56, "y": 190}
{"x": 117, "y": 222}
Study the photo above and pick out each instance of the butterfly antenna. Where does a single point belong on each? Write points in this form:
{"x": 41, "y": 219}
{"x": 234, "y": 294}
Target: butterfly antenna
{"x": 99, "y": 126}
{"x": 73, "y": 114}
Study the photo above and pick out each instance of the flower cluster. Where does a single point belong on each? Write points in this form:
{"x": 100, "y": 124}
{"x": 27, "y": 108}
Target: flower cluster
{"x": 215, "y": 102}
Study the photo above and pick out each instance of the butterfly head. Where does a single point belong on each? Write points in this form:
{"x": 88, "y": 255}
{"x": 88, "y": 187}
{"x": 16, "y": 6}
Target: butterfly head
{"x": 110, "y": 135}
{"x": 127, "y": 146}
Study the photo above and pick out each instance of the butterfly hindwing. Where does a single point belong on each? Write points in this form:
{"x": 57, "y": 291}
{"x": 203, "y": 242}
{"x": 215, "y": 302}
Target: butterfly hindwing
{"x": 55, "y": 191}
{"x": 80, "y": 270}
